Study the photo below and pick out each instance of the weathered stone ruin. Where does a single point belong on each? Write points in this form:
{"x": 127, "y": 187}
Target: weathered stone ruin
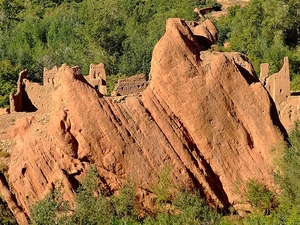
{"x": 278, "y": 86}
{"x": 48, "y": 76}
{"x": 33, "y": 96}
{"x": 97, "y": 77}
{"x": 131, "y": 85}
{"x": 20, "y": 101}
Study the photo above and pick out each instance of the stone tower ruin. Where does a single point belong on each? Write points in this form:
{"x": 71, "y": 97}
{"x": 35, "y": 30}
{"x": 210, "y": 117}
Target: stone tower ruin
{"x": 48, "y": 76}
{"x": 278, "y": 84}
{"x": 33, "y": 96}
{"x": 97, "y": 77}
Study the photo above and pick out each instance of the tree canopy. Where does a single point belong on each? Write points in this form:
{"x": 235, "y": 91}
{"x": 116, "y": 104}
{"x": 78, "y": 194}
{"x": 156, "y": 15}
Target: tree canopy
{"x": 266, "y": 31}
{"x": 121, "y": 34}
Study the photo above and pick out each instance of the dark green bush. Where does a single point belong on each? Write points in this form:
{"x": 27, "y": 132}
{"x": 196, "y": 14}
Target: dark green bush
{"x": 94, "y": 206}
{"x": 6, "y": 217}
{"x": 260, "y": 197}
{"x": 51, "y": 210}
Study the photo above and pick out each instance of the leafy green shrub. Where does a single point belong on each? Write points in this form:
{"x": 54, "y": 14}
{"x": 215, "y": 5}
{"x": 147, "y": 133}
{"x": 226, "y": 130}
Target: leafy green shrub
{"x": 288, "y": 177}
{"x": 6, "y": 217}
{"x": 260, "y": 197}
{"x": 187, "y": 208}
{"x": 125, "y": 205}
{"x": 194, "y": 210}
{"x": 163, "y": 187}
{"x": 112, "y": 80}
{"x": 92, "y": 206}
{"x": 51, "y": 210}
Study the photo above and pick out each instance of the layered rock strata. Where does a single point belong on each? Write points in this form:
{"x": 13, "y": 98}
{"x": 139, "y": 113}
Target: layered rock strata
{"x": 204, "y": 113}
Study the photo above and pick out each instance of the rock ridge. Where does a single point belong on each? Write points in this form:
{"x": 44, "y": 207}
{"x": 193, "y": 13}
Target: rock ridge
{"x": 205, "y": 113}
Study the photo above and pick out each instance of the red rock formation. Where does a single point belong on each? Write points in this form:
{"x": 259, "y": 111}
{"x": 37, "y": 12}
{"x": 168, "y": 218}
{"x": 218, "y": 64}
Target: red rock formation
{"x": 205, "y": 32}
{"x": 204, "y": 113}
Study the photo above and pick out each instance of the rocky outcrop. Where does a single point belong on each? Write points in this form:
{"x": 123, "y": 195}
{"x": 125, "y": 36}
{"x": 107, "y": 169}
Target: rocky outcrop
{"x": 205, "y": 32}
{"x": 204, "y": 113}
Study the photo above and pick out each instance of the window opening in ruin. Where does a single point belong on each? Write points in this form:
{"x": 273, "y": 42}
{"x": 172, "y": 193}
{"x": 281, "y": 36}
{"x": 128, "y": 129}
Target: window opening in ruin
{"x": 280, "y": 91}
{"x": 97, "y": 87}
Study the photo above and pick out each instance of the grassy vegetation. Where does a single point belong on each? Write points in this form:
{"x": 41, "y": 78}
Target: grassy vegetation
{"x": 95, "y": 206}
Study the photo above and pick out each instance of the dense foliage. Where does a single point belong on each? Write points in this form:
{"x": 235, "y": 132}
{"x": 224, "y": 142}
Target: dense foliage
{"x": 44, "y": 33}
{"x": 93, "y": 206}
{"x": 6, "y": 217}
{"x": 266, "y": 31}
{"x": 122, "y": 34}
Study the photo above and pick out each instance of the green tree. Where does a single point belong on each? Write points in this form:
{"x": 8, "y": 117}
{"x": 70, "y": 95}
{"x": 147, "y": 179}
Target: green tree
{"x": 92, "y": 206}
{"x": 51, "y": 210}
{"x": 260, "y": 197}
{"x": 265, "y": 31}
{"x": 8, "y": 79}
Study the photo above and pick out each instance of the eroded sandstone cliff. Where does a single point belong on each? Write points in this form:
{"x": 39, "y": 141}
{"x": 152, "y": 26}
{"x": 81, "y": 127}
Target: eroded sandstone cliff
{"x": 204, "y": 113}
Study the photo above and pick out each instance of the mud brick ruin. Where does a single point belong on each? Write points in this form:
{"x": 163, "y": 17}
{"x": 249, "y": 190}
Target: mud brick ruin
{"x": 32, "y": 96}
{"x": 278, "y": 86}
{"x": 130, "y": 85}
{"x": 97, "y": 77}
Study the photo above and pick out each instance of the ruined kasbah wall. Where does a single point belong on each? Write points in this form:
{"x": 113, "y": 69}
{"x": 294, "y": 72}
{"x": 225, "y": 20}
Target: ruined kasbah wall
{"x": 39, "y": 95}
{"x": 278, "y": 86}
{"x": 97, "y": 77}
{"x": 31, "y": 96}
{"x": 131, "y": 85}
{"x": 20, "y": 102}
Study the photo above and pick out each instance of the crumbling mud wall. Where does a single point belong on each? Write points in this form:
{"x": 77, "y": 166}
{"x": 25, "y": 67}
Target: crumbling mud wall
{"x": 40, "y": 95}
{"x": 278, "y": 86}
{"x": 33, "y": 96}
{"x": 20, "y": 102}
{"x": 130, "y": 85}
{"x": 97, "y": 77}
